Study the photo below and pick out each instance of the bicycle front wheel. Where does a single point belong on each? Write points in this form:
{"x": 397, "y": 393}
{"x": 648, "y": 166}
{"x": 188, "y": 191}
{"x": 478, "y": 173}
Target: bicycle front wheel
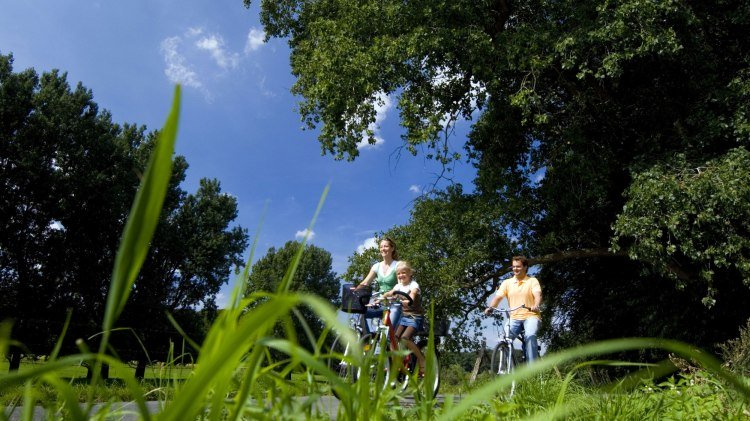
{"x": 502, "y": 359}
{"x": 340, "y": 361}
{"x": 503, "y": 362}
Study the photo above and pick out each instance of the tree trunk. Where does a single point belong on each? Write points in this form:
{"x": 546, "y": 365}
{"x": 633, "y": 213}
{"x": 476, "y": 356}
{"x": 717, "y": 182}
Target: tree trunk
{"x": 478, "y": 362}
{"x": 15, "y": 360}
{"x": 90, "y": 372}
{"x": 140, "y": 370}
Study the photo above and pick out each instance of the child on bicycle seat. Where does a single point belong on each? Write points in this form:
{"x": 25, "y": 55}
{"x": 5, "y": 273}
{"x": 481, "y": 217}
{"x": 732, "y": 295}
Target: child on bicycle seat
{"x": 412, "y": 319}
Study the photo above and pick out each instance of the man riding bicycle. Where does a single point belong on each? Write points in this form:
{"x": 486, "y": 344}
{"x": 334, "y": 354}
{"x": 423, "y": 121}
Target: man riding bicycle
{"x": 522, "y": 289}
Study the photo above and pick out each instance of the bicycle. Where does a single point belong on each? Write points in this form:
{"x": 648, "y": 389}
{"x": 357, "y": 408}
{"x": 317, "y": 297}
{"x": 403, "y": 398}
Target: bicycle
{"x": 406, "y": 369}
{"x": 381, "y": 348}
{"x": 504, "y": 360}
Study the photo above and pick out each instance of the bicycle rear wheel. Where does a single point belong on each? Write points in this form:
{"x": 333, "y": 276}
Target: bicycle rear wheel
{"x": 410, "y": 376}
{"x": 503, "y": 362}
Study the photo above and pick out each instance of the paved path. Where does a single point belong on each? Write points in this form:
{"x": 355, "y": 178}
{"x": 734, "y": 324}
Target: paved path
{"x": 127, "y": 411}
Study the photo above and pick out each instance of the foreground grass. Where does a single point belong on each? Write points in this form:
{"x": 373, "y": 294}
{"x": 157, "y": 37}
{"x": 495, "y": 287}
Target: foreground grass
{"x": 693, "y": 395}
{"x": 697, "y": 395}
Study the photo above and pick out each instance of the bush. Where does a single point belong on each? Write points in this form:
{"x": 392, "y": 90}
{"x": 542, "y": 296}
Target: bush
{"x": 736, "y": 352}
{"x": 453, "y": 375}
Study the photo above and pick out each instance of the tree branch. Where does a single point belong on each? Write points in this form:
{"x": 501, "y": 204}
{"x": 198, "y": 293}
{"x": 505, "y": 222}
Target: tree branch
{"x": 502, "y": 15}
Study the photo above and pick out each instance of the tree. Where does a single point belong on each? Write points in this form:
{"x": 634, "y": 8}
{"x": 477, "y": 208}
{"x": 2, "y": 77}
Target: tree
{"x": 314, "y": 275}
{"x": 68, "y": 178}
{"x": 65, "y": 169}
{"x": 576, "y": 104}
{"x": 192, "y": 252}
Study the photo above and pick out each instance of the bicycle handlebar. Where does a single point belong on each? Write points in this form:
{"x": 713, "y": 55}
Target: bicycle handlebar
{"x": 380, "y": 295}
{"x": 508, "y": 310}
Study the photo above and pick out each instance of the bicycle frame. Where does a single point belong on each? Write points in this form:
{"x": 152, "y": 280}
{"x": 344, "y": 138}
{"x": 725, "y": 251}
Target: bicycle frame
{"x": 400, "y": 365}
{"x": 385, "y": 326}
{"x": 503, "y": 361}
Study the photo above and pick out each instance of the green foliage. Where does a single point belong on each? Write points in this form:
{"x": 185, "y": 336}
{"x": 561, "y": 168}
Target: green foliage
{"x": 313, "y": 275}
{"x": 695, "y": 216}
{"x": 572, "y": 103}
{"x": 736, "y": 352}
{"x": 69, "y": 175}
{"x": 232, "y": 361}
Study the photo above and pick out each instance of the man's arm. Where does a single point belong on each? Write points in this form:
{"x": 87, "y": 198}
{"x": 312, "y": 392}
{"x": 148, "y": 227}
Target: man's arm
{"x": 536, "y": 292}
{"x": 495, "y": 301}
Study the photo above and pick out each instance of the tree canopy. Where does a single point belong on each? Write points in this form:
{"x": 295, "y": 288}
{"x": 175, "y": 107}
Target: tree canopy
{"x": 313, "y": 275}
{"x": 600, "y": 132}
{"x": 68, "y": 177}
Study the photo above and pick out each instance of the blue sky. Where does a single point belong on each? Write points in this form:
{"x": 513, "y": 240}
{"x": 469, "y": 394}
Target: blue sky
{"x": 238, "y": 121}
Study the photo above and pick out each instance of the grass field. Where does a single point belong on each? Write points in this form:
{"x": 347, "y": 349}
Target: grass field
{"x": 116, "y": 372}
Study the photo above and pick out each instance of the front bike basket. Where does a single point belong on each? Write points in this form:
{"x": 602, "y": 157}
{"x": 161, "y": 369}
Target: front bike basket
{"x": 355, "y": 301}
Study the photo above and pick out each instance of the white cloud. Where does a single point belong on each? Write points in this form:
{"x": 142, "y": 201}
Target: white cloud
{"x": 415, "y": 189}
{"x": 193, "y": 58}
{"x": 371, "y": 242}
{"x": 221, "y": 300}
{"x": 264, "y": 90}
{"x": 255, "y": 39}
{"x": 214, "y": 44}
{"x": 177, "y": 70}
{"x": 382, "y": 104}
{"x": 56, "y": 225}
{"x": 194, "y": 32}
{"x": 305, "y": 233}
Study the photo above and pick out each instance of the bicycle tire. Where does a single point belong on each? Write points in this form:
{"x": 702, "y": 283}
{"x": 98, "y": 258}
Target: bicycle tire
{"x": 503, "y": 362}
{"x": 411, "y": 370}
{"x": 499, "y": 360}
{"x": 379, "y": 362}
{"x": 343, "y": 368}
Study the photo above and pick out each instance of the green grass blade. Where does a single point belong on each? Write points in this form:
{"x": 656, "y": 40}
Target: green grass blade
{"x": 218, "y": 360}
{"x": 70, "y": 398}
{"x": 240, "y": 286}
{"x": 58, "y": 345}
{"x": 28, "y": 402}
{"x": 143, "y": 218}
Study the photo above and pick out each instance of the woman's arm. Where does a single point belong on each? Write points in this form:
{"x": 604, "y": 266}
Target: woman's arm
{"x": 370, "y": 276}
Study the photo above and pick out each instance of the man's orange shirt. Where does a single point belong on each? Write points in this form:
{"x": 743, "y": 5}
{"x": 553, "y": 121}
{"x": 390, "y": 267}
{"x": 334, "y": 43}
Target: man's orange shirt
{"x": 520, "y": 292}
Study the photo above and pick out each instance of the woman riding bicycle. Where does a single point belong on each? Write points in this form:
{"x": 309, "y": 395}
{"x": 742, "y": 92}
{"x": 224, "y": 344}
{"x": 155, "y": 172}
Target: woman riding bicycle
{"x": 384, "y": 275}
{"x": 412, "y": 320}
